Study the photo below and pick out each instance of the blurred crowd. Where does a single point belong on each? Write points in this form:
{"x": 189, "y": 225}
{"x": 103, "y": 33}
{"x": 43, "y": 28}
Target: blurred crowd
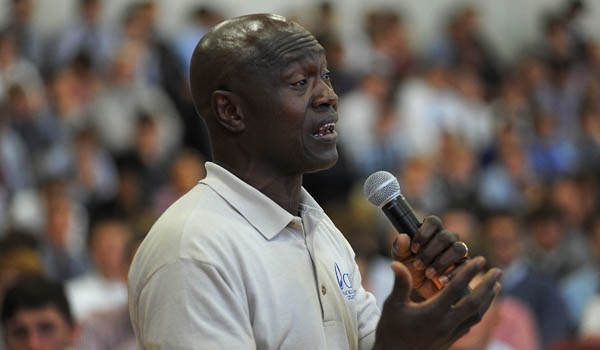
{"x": 98, "y": 136}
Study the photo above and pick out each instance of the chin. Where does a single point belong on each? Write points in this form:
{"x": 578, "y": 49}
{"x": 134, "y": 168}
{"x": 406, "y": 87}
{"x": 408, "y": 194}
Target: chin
{"x": 323, "y": 162}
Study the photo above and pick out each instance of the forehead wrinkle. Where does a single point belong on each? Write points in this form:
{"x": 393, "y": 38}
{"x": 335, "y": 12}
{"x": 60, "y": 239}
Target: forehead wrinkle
{"x": 295, "y": 42}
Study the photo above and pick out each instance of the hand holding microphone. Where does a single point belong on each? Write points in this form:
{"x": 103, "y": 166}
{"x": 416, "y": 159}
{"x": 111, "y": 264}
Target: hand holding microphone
{"x": 423, "y": 247}
{"x": 429, "y": 248}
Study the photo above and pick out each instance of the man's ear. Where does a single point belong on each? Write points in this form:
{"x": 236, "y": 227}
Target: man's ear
{"x": 227, "y": 108}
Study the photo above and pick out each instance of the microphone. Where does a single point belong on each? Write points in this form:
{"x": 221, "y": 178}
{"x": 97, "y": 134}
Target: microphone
{"x": 383, "y": 190}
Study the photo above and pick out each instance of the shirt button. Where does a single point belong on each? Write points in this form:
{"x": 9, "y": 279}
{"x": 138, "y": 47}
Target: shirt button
{"x": 323, "y": 290}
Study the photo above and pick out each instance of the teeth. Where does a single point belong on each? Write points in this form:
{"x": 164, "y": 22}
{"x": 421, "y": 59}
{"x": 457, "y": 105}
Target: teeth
{"x": 326, "y": 129}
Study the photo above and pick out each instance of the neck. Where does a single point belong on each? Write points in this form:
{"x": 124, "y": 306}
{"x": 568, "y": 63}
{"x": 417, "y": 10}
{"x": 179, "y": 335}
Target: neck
{"x": 281, "y": 189}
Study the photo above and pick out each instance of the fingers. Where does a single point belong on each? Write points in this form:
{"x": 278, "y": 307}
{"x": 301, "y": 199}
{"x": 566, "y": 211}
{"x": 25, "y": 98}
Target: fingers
{"x": 402, "y": 284}
{"x": 436, "y": 249}
{"x": 454, "y": 290}
{"x": 449, "y": 275}
{"x": 471, "y": 308}
{"x": 451, "y": 256}
{"x": 401, "y": 247}
{"x": 436, "y": 246}
{"x": 430, "y": 226}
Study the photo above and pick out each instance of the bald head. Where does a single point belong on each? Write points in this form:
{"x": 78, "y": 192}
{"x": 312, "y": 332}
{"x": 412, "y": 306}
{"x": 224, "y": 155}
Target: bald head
{"x": 237, "y": 51}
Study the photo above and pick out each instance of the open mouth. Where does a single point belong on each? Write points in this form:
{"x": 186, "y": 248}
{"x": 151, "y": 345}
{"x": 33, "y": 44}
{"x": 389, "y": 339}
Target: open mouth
{"x": 324, "y": 130}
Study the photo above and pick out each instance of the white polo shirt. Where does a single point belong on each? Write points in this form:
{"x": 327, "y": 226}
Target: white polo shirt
{"x": 225, "y": 267}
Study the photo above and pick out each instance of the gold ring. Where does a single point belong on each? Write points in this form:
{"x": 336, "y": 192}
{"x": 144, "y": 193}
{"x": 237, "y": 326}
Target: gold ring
{"x": 466, "y": 249}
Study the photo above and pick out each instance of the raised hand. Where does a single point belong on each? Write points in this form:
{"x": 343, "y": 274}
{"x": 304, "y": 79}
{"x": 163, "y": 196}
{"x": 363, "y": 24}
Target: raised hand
{"x": 440, "y": 320}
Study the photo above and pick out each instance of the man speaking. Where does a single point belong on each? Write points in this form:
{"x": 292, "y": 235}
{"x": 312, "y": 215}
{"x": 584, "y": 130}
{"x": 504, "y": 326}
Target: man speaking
{"x": 247, "y": 259}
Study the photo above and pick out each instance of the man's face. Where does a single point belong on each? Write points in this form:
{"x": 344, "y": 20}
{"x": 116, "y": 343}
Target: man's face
{"x": 38, "y": 329}
{"x": 294, "y": 113}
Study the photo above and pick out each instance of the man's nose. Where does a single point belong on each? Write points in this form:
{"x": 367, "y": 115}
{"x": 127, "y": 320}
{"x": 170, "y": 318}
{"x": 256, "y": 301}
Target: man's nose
{"x": 34, "y": 341}
{"x": 325, "y": 96}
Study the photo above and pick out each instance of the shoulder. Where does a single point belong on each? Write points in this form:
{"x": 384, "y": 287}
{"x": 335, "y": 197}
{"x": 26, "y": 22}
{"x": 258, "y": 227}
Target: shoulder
{"x": 200, "y": 226}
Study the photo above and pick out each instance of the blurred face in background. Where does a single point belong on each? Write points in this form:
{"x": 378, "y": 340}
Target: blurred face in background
{"x": 38, "y": 329}
{"x": 547, "y": 233}
{"x": 567, "y": 195}
{"x": 147, "y": 139}
{"x": 187, "y": 170}
{"x": 124, "y": 64}
{"x": 464, "y": 223}
{"x": 503, "y": 243}
{"x": 7, "y": 50}
{"x": 109, "y": 248}
{"x": 90, "y": 9}
{"x": 22, "y": 10}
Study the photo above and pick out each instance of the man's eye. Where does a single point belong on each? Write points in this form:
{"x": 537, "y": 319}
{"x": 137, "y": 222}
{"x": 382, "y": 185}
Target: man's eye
{"x": 327, "y": 76}
{"x": 46, "y": 328}
{"x": 299, "y": 83}
{"x": 19, "y": 333}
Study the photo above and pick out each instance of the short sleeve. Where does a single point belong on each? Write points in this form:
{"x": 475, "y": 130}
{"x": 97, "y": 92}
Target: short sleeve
{"x": 189, "y": 305}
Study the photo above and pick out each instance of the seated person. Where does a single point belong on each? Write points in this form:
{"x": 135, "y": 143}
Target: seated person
{"x": 36, "y": 315}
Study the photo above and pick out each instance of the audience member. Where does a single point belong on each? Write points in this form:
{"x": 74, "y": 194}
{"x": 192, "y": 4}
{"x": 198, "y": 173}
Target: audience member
{"x": 110, "y": 330}
{"x": 506, "y": 182}
{"x": 424, "y": 105}
{"x": 147, "y": 153}
{"x": 463, "y": 45}
{"x": 550, "y": 248}
{"x": 115, "y": 110}
{"x": 199, "y": 21}
{"x": 504, "y": 238}
{"x": 517, "y": 325}
{"x": 390, "y": 54}
{"x": 466, "y": 224}
{"x": 420, "y": 186}
{"x": 86, "y": 35}
{"x": 511, "y": 108}
{"x": 583, "y": 285}
{"x": 16, "y": 173}
{"x": 22, "y": 26}
{"x": 588, "y": 145}
{"x": 16, "y": 70}
{"x": 457, "y": 175}
{"x": 104, "y": 288}
{"x": 363, "y": 109}
{"x": 551, "y": 154}
{"x": 62, "y": 232}
{"x": 36, "y": 315}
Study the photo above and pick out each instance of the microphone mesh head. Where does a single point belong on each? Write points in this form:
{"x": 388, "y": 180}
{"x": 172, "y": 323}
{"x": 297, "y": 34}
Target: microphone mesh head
{"x": 381, "y": 187}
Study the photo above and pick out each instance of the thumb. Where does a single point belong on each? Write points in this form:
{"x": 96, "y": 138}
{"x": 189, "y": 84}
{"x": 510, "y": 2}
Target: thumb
{"x": 402, "y": 284}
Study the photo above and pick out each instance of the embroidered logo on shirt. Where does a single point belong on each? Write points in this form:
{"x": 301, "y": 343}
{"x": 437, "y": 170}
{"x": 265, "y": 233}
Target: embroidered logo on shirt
{"x": 344, "y": 282}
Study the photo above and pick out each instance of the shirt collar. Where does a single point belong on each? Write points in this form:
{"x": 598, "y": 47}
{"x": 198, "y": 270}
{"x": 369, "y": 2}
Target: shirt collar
{"x": 259, "y": 210}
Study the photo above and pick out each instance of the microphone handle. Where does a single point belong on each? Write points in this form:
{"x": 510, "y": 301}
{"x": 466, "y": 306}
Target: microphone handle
{"x": 403, "y": 218}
